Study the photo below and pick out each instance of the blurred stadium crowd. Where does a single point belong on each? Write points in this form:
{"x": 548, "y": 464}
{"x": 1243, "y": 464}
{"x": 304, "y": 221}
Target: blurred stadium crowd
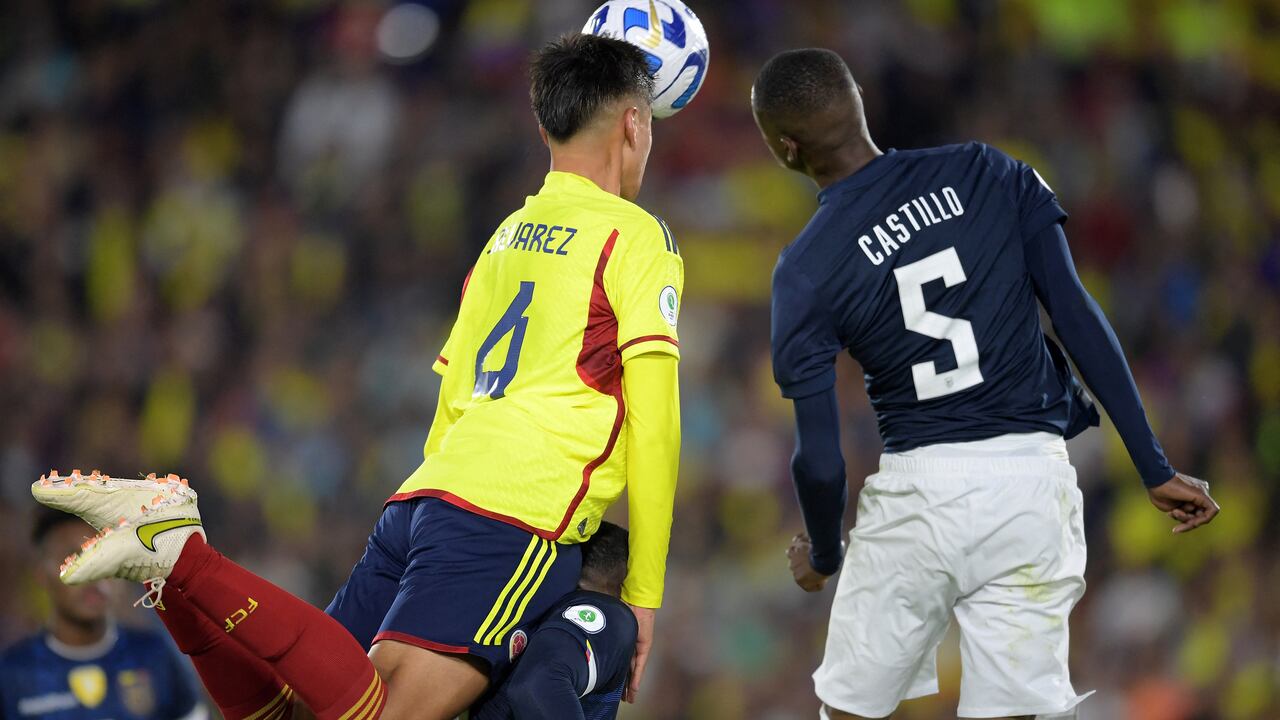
{"x": 232, "y": 237}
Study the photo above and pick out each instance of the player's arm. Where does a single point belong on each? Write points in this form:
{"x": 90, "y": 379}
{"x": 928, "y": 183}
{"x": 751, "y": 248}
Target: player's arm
{"x": 651, "y": 388}
{"x": 550, "y": 677}
{"x": 817, "y": 469}
{"x": 804, "y": 346}
{"x": 1092, "y": 344}
{"x": 643, "y": 281}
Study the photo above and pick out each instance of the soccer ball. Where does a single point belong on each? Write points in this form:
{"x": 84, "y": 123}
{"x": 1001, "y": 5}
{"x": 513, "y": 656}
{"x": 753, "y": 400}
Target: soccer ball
{"x": 672, "y": 38}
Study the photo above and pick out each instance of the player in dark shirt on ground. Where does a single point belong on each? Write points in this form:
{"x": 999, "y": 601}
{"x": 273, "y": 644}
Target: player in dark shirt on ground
{"x": 576, "y": 661}
{"x": 927, "y": 265}
{"x": 84, "y": 666}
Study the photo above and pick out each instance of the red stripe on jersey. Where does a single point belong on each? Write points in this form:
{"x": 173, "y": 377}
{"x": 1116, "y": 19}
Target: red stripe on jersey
{"x": 599, "y": 362}
{"x": 466, "y": 281}
{"x": 442, "y": 360}
{"x": 646, "y": 338}
{"x": 419, "y": 642}
{"x": 600, "y": 367}
{"x": 473, "y": 509}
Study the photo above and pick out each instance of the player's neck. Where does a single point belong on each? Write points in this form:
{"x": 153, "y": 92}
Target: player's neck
{"x": 77, "y": 633}
{"x": 604, "y": 168}
{"x": 844, "y": 161}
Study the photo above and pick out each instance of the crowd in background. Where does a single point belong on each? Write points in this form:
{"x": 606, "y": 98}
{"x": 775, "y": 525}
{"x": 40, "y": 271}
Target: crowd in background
{"x": 233, "y": 234}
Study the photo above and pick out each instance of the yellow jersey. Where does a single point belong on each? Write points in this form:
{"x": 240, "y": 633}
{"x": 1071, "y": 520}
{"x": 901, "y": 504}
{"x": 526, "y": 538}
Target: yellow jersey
{"x": 569, "y": 287}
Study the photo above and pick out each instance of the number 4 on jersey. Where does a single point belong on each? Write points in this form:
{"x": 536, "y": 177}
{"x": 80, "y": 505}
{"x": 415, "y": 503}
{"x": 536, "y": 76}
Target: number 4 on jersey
{"x": 930, "y": 383}
{"x": 493, "y": 383}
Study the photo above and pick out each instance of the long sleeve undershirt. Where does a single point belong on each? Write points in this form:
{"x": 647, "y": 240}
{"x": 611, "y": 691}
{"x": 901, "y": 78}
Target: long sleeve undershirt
{"x": 650, "y": 385}
{"x": 1090, "y": 341}
{"x": 818, "y": 470}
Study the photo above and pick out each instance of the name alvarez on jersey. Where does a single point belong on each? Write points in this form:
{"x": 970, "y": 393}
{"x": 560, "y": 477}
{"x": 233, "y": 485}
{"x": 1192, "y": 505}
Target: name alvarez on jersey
{"x": 534, "y": 238}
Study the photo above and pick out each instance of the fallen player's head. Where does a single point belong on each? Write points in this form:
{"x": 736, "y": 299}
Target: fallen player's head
{"x": 591, "y": 95}
{"x": 807, "y": 105}
{"x": 56, "y": 535}
{"x": 604, "y": 560}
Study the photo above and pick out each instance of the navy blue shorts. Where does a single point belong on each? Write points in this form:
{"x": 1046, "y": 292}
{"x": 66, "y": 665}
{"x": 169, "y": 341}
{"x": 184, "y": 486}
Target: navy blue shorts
{"x": 445, "y": 579}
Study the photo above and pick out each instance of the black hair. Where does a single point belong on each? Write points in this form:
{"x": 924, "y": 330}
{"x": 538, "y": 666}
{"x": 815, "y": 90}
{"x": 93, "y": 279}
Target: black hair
{"x": 46, "y": 519}
{"x": 799, "y": 83}
{"x": 573, "y": 77}
{"x": 604, "y": 556}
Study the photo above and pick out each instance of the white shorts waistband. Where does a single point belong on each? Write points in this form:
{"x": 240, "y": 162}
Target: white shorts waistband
{"x": 978, "y": 467}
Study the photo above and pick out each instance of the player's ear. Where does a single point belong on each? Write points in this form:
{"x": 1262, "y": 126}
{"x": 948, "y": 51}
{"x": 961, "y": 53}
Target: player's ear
{"x": 631, "y": 126}
{"x": 790, "y": 151}
{"x": 542, "y": 133}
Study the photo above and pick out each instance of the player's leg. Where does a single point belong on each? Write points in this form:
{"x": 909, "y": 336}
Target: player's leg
{"x": 164, "y": 541}
{"x": 1027, "y": 574}
{"x": 893, "y": 599}
{"x": 240, "y": 684}
{"x": 470, "y": 584}
{"x": 428, "y": 685}
{"x": 311, "y": 651}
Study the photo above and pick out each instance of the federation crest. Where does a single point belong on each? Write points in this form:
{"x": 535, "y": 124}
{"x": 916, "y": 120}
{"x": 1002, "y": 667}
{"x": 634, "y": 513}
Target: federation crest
{"x": 89, "y": 684}
{"x": 137, "y": 691}
{"x": 587, "y": 617}
{"x": 519, "y": 641}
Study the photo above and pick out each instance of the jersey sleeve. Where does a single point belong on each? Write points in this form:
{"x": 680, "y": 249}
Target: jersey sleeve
{"x": 441, "y": 364}
{"x": 1036, "y": 202}
{"x": 644, "y": 281}
{"x": 549, "y": 678}
{"x": 604, "y": 650}
{"x": 803, "y": 338}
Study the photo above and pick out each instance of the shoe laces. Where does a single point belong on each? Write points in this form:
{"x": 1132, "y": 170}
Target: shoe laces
{"x": 155, "y": 592}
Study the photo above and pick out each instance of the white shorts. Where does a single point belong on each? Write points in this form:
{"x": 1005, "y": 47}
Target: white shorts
{"x": 999, "y": 540}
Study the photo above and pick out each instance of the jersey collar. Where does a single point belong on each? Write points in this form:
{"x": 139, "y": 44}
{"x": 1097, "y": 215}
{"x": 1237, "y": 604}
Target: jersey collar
{"x": 561, "y": 181}
{"x": 865, "y": 175}
{"x": 84, "y": 653}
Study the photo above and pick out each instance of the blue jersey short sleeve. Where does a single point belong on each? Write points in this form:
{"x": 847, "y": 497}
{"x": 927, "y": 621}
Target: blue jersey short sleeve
{"x": 916, "y": 265}
{"x": 1036, "y": 203}
{"x": 803, "y": 339}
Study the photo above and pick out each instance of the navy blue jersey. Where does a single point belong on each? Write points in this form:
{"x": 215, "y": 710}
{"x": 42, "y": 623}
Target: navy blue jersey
{"x": 915, "y": 265}
{"x": 580, "y": 653}
{"x": 130, "y": 674}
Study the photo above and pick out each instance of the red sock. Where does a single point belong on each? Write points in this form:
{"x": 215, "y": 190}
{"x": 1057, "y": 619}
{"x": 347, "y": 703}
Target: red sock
{"x": 315, "y": 655}
{"x": 240, "y": 684}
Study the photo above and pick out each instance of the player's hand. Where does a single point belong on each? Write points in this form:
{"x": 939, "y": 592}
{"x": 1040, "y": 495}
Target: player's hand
{"x": 645, "y": 618}
{"x": 807, "y": 578}
{"x": 1186, "y": 500}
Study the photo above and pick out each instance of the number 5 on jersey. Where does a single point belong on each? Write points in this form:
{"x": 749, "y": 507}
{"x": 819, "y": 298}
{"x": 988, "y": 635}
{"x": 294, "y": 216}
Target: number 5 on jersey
{"x": 493, "y": 383}
{"x": 930, "y": 383}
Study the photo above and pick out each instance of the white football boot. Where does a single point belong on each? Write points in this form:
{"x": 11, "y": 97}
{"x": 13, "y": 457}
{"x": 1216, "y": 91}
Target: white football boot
{"x": 103, "y": 500}
{"x": 144, "y": 548}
